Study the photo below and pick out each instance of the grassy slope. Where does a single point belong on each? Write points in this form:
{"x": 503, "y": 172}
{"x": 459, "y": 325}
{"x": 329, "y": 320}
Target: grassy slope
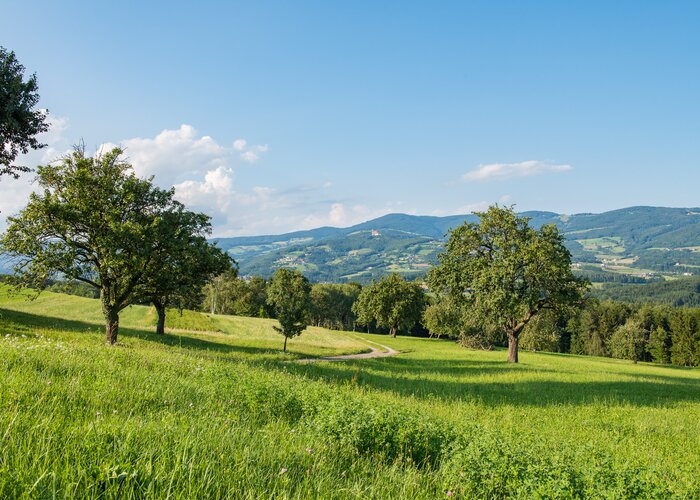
{"x": 61, "y": 311}
{"x": 214, "y": 413}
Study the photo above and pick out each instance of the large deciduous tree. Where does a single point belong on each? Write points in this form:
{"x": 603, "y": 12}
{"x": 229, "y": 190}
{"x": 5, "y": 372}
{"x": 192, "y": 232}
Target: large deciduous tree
{"x": 289, "y": 295}
{"x": 20, "y": 122}
{"x": 392, "y": 302}
{"x": 93, "y": 221}
{"x": 505, "y": 272}
{"x": 184, "y": 261}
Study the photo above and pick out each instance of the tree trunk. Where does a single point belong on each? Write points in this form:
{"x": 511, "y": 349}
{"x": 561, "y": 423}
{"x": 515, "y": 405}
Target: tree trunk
{"x": 112, "y": 325}
{"x": 285, "y": 344}
{"x": 160, "y": 326}
{"x": 512, "y": 348}
{"x": 393, "y": 331}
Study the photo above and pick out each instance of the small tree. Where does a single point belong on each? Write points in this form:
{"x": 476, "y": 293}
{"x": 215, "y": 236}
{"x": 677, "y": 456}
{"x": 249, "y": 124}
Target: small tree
{"x": 543, "y": 333}
{"x": 444, "y": 317}
{"x": 20, "y": 122}
{"x": 629, "y": 341}
{"x": 289, "y": 295}
{"x": 504, "y": 272}
{"x": 184, "y": 262}
{"x": 93, "y": 222}
{"x": 392, "y": 302}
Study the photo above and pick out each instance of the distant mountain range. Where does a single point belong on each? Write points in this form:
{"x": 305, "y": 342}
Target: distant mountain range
{"x": 635, "y": 244}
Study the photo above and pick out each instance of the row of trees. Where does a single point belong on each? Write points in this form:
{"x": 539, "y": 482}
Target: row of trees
{"x": 94, "y": 221}
{"x": 495, "y": 276}
{"x": 645, "y": 333}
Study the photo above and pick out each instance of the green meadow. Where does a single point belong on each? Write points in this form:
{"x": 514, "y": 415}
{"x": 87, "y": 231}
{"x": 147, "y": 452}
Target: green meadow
{"x": 214, "y": 409}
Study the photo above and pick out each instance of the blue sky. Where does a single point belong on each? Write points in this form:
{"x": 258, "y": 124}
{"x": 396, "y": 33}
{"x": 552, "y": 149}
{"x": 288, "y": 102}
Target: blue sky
{"x": 345, "y": 112}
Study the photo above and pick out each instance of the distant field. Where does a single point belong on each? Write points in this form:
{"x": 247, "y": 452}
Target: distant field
{"x": 603, "y": 246}
{"x": 224, "y": 413}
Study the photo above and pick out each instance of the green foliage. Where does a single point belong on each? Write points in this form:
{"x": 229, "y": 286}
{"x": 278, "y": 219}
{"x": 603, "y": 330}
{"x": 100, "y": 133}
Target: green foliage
{"x": 331, "y": 305}
{"x": 543, "y": 333}
{"x": 229, "y": 294}
{"x": 685, "y": 337}
{"x": 183, "y": 261}
{"x": 92, "y": 221}
{"x": 20, "y": 122}
{"x": 629, "y": 341}
{"x": 683, "y": 292}
{"x": 504, "y": 272}
{"x": 392, "y": 302}
{"x": 592, "y": 329}
{"x": 74, "y": 288}
{"x": 289, "y": 295}
{"x": 444, "y": 317}
{"x": 660, "y": 345}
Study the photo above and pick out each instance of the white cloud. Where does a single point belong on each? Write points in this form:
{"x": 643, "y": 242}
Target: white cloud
{"x": 342, "y": 215}
{"x": 216, "y": 188}
{"x": 505, "y": 199}
{"x": 174, "y": 156}
{"x": 478, "y": 206}
{"x": 203, "y": 172}
{"x": 15, "y": 192}
{"x": 502, "y": 171}
{"x": 249, "y": 156}
{"x": 252, "y": 154}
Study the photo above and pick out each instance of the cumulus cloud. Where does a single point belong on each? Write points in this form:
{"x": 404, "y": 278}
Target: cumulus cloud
{"x": 216, "y": 187}
{"x": 174, "y": 156}
{"x": 203, "y": 173}
{"x": 502, "y": 171}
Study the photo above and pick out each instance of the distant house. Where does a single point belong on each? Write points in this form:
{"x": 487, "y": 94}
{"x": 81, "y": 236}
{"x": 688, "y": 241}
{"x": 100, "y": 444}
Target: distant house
{"x": 375, "y": 232}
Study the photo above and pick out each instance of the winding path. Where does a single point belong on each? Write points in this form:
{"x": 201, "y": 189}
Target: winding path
{"x": 374, "y": 353}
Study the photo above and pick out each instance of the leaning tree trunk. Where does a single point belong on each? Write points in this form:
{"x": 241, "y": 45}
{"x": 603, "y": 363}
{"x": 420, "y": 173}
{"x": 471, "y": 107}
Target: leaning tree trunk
{"x": 513, "y": 348}
{"x": 285, "y": 344}
{"x": 111, "y": 324}
{"x": 160, "y": 325}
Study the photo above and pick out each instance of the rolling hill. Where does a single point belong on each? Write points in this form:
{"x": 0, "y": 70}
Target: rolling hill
{"x": 635, "y": 244}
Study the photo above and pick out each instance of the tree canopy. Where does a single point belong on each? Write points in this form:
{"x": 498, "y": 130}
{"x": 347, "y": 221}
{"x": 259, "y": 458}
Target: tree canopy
{"x": 289, "y": 295}
{"x": 93, "y": 221}
{"x": 184, "y": 261}
{"x": 505, "y": 272}
{"x": 20, "y": 122}
{"x": 392, "y": 302}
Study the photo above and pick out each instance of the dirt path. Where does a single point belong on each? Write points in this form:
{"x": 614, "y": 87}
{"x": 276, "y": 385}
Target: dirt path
{"x": 374, "y": 353}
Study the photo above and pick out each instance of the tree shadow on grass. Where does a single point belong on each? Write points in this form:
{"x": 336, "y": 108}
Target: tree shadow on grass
{"x": 405, "y": 377}
{"x": 23, "y": 320}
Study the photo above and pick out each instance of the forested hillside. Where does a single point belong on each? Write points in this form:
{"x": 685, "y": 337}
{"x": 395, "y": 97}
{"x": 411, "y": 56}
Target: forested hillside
{"x": 630, "y": 245}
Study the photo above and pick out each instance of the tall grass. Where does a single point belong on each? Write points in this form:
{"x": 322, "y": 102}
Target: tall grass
{"x": 213, "y": 414}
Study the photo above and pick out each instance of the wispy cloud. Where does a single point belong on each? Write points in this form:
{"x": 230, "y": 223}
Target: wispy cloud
{"x": 503, "y": 171}
{"x": 252, "y": 154}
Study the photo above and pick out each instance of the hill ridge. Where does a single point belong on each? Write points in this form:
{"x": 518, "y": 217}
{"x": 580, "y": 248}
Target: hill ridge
{"x": 636, "y": 243}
